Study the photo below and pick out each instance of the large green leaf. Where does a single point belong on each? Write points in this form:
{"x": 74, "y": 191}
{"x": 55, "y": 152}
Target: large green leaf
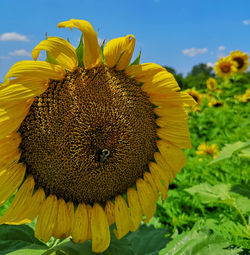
{"x": 198, "y": 242}
{"x": 242, "y": 189}
{"x": 145, "y": 241}
{"x": 229, "y": 149}
{"x": 208, "y": 193}
{"x": 13, "y": 238}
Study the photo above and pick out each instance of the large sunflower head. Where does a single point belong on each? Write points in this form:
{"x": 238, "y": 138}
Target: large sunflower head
{"x": 241, "y": 59}
{"x": 88, "y": 140}
{"x": 225, "y": 67}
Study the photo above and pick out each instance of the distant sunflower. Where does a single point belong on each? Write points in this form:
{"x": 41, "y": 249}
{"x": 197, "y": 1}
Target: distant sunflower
{"x": 89, "y": 140}
{"x": 209, "y": 150}
{"x": 241, "y": 60}
{"x": 245, "y": 97}
{"x": 211, "y": 84}
{"x": 215, "y": 103}
{"x": 225, "y": 67}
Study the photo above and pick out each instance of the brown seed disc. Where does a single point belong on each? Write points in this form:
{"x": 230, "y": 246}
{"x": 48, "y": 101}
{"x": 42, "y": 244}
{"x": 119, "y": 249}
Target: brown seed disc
{"x": 240, "y": 62}
{"x": 89, "y": 136}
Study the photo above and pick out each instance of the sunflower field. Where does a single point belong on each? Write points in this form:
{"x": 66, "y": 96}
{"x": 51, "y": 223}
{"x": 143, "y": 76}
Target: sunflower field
{"x": 206, "y": 208}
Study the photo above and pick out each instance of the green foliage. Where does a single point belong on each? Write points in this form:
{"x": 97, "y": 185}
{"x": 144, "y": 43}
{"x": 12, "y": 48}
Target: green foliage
{"x": 202, "y": 69}
{"x": 229, "y": 149}
{"x": 20, "y": 240}
{"x": 199, "y": 241}
{"x": 79, "y": 52}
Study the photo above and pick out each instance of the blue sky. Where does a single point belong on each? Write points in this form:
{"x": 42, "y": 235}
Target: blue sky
{"x": 178, "y": 33}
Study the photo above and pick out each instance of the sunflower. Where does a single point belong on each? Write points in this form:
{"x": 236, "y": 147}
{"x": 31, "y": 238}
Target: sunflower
{"x": 206, "y": 149}
{"x": 225, "y": 67}
{"x": 215, "y": 103}
{"x": 243, "y": 98}
{"x": 211, "y": 84}
{"x": 88, "y": 140}
{"x": 241, "y": 60}
{"x": 195, "y": 95}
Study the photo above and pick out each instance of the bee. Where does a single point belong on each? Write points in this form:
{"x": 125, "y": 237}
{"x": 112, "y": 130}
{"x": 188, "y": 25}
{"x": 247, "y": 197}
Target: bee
{"x": 103, "y": 155}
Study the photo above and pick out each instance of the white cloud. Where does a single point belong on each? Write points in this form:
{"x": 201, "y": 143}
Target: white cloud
{"x": 246, "y": 22}
{"x": 221, "y": 48}
{"x": 209, "y": 64}
{"x": 20, "y": 53}
{"x": 12, "y": 36}
{"x": 193, "y": 51}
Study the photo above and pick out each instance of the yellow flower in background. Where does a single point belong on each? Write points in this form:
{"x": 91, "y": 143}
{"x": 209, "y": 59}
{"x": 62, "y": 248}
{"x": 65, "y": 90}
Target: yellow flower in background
{"x": 197, "y": 98}
{"x": 195, "y": 95}
{"x": 211, "y": 84}
{"x": 243, "y": 98}
{"x": 88, "y": 145}
{"x": 225, "y": 67}
{"x": 215, "y": 103}
{"x": 205, "y": 149}
{"x": 241, "y": 59}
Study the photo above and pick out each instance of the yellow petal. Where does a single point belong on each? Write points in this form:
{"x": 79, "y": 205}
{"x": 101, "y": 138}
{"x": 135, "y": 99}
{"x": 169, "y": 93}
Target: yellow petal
{"x": 144, "y": 72}
{"x": 37, "y": 69}
{"x": 119, "y": 51}
{"x": 161, "y": 186}
{"x": 81, "y": 224}
{"x": 122, "y": 217}
{"x": 166, "y": 172}
{"x": 19, "y": 201}
{"x": 91, "y": 48}
{"x": 10, "y": 179}
{"x": 18, "y": 91}
{"x": 160, "y": 81}
{"x": 31, "y": 208}
{"x": 71, "y": 213}
{"x": 135, "y": 209}
{"x": 63, "y": 223}
{"x": 11, "y": 117}
{"x": 177, "y": 136}
{"x": 174, "y": 155}
{"x": 99, "y": 229}
{"x": 47, "y": 219}
{"x": 110, "y": 212}
{"x": 147, "y": 199}
{"x": 63, "y": 52}
{"x": 9, "y": 160}
{"x": 9, "y": 145}
{"x": 89, "y": 212}
{"x": 149, "y": 179}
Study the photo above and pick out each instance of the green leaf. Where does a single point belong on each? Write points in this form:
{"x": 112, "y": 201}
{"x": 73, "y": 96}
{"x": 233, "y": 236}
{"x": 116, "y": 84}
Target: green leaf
{"x": 229, "y": 149}
{"x": 198, "y": 242}
{"x": 242, "y": 189}
{"x": 209, "y": 194}
{"x": 13, "y": 238}
{"x": 20, "y": 240}
{"x": 137, "y": 60}
{"x": 147, "y": 240}
{"x": 79, "y": 52}
{"x": 245, "y": 153}
{"x": 243, "y": 204}
{"x": 50, "y": 59}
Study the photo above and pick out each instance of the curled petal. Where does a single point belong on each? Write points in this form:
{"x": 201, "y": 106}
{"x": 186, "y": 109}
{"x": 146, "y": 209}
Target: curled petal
{"x": 91, "y": 48}
{"x": 119, "y": 51}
